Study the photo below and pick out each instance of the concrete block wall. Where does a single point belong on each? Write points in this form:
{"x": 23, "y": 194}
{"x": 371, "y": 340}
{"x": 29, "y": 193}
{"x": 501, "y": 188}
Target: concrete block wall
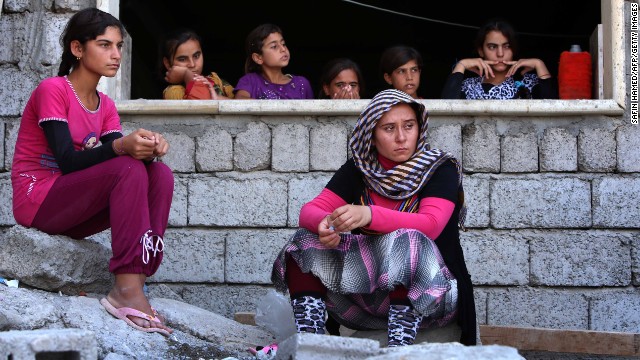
{"x": 554, "y": 201}
{"x": 547, "y": 246}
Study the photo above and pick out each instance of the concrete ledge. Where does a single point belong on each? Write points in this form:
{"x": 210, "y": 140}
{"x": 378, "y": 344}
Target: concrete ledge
{"x": 322, "y": 347}
{"x": 50, "y": 343}
{"x": 546, "y": 108}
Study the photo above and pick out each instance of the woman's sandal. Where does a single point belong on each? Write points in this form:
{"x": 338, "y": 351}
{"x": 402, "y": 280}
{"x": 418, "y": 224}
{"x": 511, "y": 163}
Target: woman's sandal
{"x": 123, "y": 313}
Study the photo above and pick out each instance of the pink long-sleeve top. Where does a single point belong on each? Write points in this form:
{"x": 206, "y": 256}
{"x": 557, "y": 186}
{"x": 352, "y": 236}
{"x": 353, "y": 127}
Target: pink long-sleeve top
{"x": 433, "y": 214}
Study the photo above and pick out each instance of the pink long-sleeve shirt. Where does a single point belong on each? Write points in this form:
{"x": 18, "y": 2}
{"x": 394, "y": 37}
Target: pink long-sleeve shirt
{"x": 432, "y": 216}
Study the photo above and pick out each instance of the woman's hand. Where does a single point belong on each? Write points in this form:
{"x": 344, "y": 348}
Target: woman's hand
{"x": 349, "y": 217}
{"x": 526, "y": 65}
{"x": 162, "y": 146}
{"x": 141, "y": 144}
{"x": 327, "y": 234}
{"x": 476, "y": 65}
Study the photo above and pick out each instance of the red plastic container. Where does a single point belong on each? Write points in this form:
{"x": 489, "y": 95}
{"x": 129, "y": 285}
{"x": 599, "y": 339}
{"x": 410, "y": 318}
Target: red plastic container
{"x": 574, "y": 75}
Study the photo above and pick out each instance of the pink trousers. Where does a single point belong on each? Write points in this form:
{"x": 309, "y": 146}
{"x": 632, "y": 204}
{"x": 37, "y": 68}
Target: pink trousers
{"x": 124, "y": 194}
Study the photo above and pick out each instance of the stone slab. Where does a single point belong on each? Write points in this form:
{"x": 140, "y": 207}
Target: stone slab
{"x": 322, "y": 347}
{"x": 34, "y": 344}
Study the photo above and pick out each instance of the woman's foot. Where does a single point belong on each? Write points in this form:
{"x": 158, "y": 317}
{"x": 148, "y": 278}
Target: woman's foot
{"x": 309, "y": 314}
{"x": 404, "y": 322}
{"x": 127, "y": 292}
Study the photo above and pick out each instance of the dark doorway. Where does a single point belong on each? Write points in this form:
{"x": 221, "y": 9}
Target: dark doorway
{"x": 317, "y": 31}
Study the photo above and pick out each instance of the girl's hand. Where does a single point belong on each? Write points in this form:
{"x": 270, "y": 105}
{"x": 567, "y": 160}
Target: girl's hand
{"x": 349, "y": 217}
{"x": 526, "y": 65}
{"x": 204, "y": 81}
{"x": 140, "y": 144}
{"x": 346, "y": 92}
{"x": 476, "y": 65}
{"x": 178, "y": 75}
{"x": 327, "y": 235}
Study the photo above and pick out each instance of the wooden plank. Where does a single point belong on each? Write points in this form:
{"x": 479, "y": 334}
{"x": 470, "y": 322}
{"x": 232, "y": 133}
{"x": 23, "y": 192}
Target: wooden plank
{"x": 566, "y": 341}
{"x": 247, "y": 318}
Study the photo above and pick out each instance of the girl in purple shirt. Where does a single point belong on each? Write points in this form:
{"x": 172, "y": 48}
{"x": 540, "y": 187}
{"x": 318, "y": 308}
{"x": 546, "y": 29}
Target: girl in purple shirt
{"x": 267, "y": 55}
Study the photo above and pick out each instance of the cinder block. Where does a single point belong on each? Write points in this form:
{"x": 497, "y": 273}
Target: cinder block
{"x": 49, "y": 343}
{"x": 558, "y": 150}
{"x": 321, "y": 347}
{"x": 2, "y": 150}
{"x": 178, "y": 213}
{"x": 302, "y": 190}
{"x": 224, "y": 300}
{"x": 11, "y": 29}
{"x": 15, "y": 89}
{"x": 6, "y": 206}
{"x": 290, "y": 148}
{"x": 214, "y": 151}
{"x": 72, "y": 5}
{"x": 480, "y": 297}
{"x": 477, "y": 197}
{"x": 51, "y": 26}
{"x": 496, "y": 257}
{"x": 616, "y": 311}
{"x": 328, "y": 146}
{"x": 596, "y": 150}
{"x": 180, "y": 157}
{"x": 541, "y": 203}
{"x": 33, "y": 35}
{"x": 580, "y": 258}
{"x": 252, "y": 148}
{"x": 616, "y": 202}
{"x": 519, "y": 153}
{"x": 447, "y": 138}
{"x": 11, "y": 135}
{"x": 240, "y": 202}
{"x": 192, "y": 255}
{"x": 77, "y": 264}
{"x": 554, "y": 309}
{"x": 481, "y": 148}
{"x": 16, "y": 6}
{"x": 628, "y": 138}
{"x": 635, "y": 257}
{"x": 250, "y": 254}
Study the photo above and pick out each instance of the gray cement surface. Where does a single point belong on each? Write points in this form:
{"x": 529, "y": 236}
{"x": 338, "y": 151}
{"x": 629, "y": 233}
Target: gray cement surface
{"x": 546, "y": 355}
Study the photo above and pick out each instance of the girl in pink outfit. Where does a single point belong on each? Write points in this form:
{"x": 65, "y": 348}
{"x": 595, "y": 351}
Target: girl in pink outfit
{"x": 379, "y": 247}
{"x": 63, "y": 183}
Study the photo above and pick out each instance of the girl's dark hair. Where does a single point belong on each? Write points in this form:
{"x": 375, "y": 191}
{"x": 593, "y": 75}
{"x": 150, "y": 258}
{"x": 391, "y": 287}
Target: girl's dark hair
{"x": 396, "y": 56}
{"x": 171, "y": 43}
{"x": 500, "y": 25}
{"x": 85, "y": 25}
{"x": 254, "y": 42}
{"x": 333, "y": 68}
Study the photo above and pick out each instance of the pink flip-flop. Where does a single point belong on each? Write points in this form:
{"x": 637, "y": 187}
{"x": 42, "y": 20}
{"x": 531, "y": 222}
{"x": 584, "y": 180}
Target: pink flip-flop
{"x": 123, "y": 312}
{"x": 265, "y": 352}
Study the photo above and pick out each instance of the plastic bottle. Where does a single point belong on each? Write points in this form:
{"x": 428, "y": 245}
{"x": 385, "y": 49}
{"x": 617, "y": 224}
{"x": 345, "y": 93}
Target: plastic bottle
{"x": 575, "y": 74}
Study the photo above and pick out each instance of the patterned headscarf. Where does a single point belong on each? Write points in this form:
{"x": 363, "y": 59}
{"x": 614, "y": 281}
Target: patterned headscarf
{"x": 406, "y": 179}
